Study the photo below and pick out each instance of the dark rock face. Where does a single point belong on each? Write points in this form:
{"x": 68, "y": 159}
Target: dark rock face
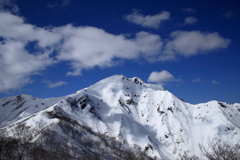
{"x": 130, "y": 101}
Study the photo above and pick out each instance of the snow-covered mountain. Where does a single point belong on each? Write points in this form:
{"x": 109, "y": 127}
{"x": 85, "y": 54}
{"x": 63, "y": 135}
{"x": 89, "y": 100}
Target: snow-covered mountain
{"x": 17, "y": 107}
{"x": 132, "y": 111}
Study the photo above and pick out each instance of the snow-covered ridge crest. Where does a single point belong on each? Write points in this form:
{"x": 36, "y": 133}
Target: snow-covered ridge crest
{"x": 17, "y": 107}
{"x": 132, "y": 111}
{"x": 120, "y": 81}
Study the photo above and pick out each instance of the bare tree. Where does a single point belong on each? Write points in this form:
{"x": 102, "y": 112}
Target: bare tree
{"x": 186, "y": 156}
{"x": 221, "y": 150}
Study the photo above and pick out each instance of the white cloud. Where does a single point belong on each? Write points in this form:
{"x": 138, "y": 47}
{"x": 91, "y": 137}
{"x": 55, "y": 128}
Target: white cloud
{"x": 189, "y": 10}
{"x": 190, "y": 20}
{"x": 83, "y": 47}
{"x": 8, "y": 6}
{"x": 197, "y": 80}
{"x": 148, "y": 20}
{"x": 54, "y": 85}
{"x": 17, "y": 65}
{"x": 161, "y": 77}
{"x": 13, "y": 27}
{"x": 88, "y": 47}
{"x": 57, "y": 84}
{"x": 148, "y": 44}
{"x": 214, "y": 82}
{"x": 188, "y": 43}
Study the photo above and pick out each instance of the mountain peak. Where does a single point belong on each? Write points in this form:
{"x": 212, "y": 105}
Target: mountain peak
{"x": 118, "y": 82}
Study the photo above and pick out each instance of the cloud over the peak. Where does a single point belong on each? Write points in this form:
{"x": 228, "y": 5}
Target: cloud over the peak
{"x": 82, "y": 47}
{"x": 26, "y": 50}
{"x": 161, "y": 77}
{"x": 188, "y": 43}
{"x": 151, "y": 21}
{"x": 88, "y": 47}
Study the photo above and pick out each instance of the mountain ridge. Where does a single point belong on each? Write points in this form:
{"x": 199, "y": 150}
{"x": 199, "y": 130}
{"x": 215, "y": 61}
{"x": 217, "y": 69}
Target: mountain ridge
{"x": 131, "y": 110}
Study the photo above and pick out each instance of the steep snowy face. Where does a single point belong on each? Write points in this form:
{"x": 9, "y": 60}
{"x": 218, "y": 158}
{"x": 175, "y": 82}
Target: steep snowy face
{"x": 142, "y": 114}
{"x": 153, "y": 118}
{"x": 112, "y": 89}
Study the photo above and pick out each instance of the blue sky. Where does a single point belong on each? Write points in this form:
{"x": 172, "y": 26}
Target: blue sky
{"x": 52, "y": 48}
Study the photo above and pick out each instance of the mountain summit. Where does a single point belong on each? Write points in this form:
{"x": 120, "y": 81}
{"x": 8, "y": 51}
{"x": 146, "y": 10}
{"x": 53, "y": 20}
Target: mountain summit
{"x": 130, "y": 111}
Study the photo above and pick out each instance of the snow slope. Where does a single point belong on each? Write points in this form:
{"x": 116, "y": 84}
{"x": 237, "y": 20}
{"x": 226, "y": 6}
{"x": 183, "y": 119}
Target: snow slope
{"x": 17, "y": 107}
{"x": 131, "y": 110}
